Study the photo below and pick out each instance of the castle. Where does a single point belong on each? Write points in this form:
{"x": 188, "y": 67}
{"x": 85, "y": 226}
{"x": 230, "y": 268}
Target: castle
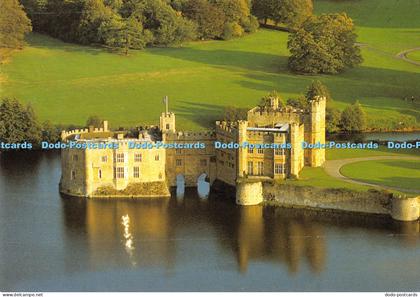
{"x": 145, "y": 164}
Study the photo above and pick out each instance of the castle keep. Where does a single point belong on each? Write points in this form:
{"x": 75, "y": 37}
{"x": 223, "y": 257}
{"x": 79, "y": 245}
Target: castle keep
{"x": 145, "y": 164}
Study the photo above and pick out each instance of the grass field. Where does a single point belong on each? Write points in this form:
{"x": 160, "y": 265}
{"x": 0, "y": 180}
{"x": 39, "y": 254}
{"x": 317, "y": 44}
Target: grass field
{"x": 415, "y": 56}
{"x": 317, "y": 177}
{"x": 66, "y": 83}
{"x": 335, "y": 154}
{"x": 393, "y": 173}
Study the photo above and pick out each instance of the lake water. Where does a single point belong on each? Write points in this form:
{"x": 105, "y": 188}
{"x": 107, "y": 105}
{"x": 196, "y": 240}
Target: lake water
{"x": 54, "y": 243}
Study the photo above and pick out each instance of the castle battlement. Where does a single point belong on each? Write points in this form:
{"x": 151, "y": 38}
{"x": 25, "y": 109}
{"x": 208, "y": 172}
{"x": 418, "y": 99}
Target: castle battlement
{"x": 190, "y": 135}
{"x": 84, "y": 171}
{"x": 66, "y": 134}
{"x": 229, "y": 127}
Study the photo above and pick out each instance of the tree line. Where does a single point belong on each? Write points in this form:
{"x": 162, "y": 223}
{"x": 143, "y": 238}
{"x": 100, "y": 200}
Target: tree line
{"x": 351, "y": 119}
{"x": 323, "y": 43}
{"x": 136, "y": 24}
{"x": 317, "y": 44}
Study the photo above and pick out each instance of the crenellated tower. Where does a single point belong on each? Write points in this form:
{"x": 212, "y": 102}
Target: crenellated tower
{"x": 167, "y": 122}
{"x": 315, "y": 131}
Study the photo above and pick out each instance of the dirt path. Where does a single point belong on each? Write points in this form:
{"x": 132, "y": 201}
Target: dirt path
{"x": 332, "y": 168}
{"x": 403, "y": 55}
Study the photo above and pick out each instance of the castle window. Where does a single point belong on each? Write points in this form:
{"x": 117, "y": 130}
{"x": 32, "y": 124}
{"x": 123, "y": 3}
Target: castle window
{"x": 137, "y": 157}
{"x": 250, "y": 150}
{"x": 75, "y": 157}
{"x": 279, "y": 152}
{"x": 157, "y": 158}
{"x": 104, "y": 159}
{"x": 250, "y": 168}
{"x": 100, "y": 173}
{"x": 279, "y": 168}
{"x": 136, "y": 172}
{"x": 178, "y": 151}
{"x": 167, "y": 126}
{"x": 260, "y": 151}
{"x": 120, "y": 158}
{"x": 203, "y": 162}
{"x": 73, "y": 174}
{"x": 178, "y": 162}
{"x": 260, "y": 168}
{"x": 120, "y": 172}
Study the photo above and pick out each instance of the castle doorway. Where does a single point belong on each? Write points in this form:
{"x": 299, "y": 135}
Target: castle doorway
{"x": 203, "y": 186}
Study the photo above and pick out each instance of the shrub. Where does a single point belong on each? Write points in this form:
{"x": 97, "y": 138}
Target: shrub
{"x": 232, "y": 30}
{"x": 332, "y": 120}
{"x": 250, "y": 24}
{"x": 353, "y": 118}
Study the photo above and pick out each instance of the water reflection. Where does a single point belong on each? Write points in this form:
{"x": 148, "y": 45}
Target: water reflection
{"x": 128, "y": 238}
{"x": 152, "y": 231}
{"x": 180, "y": 186}
{"x": 203, "y": 186}
{"x": 67, "y": 243}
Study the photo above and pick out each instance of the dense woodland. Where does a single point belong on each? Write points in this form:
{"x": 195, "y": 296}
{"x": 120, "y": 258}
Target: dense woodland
{"x": 318, "y": 44}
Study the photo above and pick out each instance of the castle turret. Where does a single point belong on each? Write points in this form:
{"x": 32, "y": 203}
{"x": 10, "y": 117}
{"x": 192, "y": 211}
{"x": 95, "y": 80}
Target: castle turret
{"x": 315, "y": 132}
{"x": 105, "y": 126}
{"x": 167, "y": 119}
{"x": 167, "y": 122}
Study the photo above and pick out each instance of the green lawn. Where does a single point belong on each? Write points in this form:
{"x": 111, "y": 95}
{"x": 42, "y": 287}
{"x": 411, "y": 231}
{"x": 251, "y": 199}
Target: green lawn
{"x": 393, "y": 173}
{"x": 66, "y": 83}
{"x": 317, "y": 177}
{"x": 335, "y": 154}
{"x": 414, "y": 56}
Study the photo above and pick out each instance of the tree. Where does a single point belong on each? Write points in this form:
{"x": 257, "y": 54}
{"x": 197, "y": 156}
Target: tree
{"x": 234, "y": 10}
{"x": 332, "y": 119}
{"x": 268, "y": 102}
{"x": 125, "y": 34}
{"x": 14, "y": 24}
{"x": 324, "y": 44}
{"x": 210, "y": 19}
{"x": 233, "y": 114}
{"x": 50, "y": 132}
{"x": 353, "y": 118}
{"x": 94, "y": 15}
{"x": 35, "y": 10}
{"x": 167, "y": 25}
{"x": 250, "y": 24}
{"x": 262, "y": 9}
{"x": 238, "y": 17}
{"x": 18, "y": 123}
{"x": 94, "y": 121}
{"x": 318, "y": 89}
{"x": 293, "y": 13}
{"x": 62, "y": 19}
{"x": 232, "y": 30}
{"x": 300, "y": 102}
{"x": 289, "y": 12}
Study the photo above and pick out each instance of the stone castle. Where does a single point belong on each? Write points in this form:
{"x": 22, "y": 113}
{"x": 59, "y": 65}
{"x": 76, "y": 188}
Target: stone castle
{"x": 121, "y": 170}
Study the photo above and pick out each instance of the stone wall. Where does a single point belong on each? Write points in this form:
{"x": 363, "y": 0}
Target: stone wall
{"x": 375, "y": 202}
{"x": 249, "y": 192}
{"x": 190, "y": 163}
{"x": 86, "y": 170}
{"x": 372, "y": 201}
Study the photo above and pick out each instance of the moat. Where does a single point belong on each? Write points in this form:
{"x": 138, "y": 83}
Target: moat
{"x": 53, "y": 243}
